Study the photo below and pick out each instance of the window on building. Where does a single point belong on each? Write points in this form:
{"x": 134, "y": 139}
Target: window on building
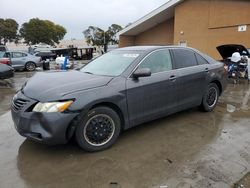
{"x": 158, "y": 61}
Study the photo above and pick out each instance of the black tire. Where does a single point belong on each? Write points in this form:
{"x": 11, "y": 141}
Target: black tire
{"x": 30, "y": 66}
{"x": 98, "y": 129}
{"x": 210, "y": 98}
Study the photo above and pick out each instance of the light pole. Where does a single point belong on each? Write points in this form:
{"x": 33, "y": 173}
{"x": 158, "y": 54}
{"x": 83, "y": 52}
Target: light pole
{"x": 104, "y": 41}
{"x": 104, "y": 38}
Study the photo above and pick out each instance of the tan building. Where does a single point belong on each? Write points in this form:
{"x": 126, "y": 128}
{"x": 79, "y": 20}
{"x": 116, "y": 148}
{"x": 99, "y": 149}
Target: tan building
{"x": 201, "y": 24}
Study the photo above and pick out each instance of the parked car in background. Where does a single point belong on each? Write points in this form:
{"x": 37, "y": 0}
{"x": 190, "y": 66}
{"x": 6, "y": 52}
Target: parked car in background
{"x": 22, "y": 60}
{"x": 6, "y": 71}
{"x": 5, "y": 58}
{"x": 3, "y": 48}
{"x": 227, "y": 50}
{"x": 114, "y": 92}
{"x": 46, "y": 55}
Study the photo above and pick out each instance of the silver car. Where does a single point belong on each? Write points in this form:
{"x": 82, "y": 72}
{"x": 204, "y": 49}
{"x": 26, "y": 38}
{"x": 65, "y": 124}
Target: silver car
{"x": 23, "y": 60}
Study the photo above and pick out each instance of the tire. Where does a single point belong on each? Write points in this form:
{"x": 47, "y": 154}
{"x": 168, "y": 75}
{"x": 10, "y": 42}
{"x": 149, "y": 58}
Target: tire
{"x": 30, "y": 66}
{"x": 98, "y": 129}
{"x": 210, "y": 98}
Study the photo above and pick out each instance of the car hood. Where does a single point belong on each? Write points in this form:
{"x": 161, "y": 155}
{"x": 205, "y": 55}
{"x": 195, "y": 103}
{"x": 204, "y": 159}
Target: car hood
{"x": 49, "y": 86}
{"x": 228, "y": 49}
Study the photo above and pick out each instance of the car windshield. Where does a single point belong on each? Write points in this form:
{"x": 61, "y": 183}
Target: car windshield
{"x": 111, "y": 64}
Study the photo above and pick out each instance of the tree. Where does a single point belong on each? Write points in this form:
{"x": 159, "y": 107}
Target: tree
{"x": 42, "y": 31}
{"x": 94, "y": 35}
{"x": 111, "y": 33}
{"x": 8, "y": 30}
{"x": 97, "y": 36}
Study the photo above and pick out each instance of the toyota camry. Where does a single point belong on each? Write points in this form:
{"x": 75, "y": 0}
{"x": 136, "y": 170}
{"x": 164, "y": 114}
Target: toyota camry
{"x": 116, "y": 91}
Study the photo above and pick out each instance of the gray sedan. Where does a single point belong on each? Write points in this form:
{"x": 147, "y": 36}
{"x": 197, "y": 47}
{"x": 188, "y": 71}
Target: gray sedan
{"x": 22, "y": 60}
{"x": 116, "y": 91}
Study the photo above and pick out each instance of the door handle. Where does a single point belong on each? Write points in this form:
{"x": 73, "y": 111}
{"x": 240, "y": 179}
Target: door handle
{"x": 206, "y": 70}
{"x": 172, "y": 78}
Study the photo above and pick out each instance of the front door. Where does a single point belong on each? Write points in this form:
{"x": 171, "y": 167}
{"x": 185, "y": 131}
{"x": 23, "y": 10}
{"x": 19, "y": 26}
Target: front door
{"x": 154, "y": 96}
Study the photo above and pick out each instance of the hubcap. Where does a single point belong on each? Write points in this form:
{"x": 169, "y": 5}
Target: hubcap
{"x": 99, "y": 130}
{"x": 30, "y": 66}
{"x": 211, "y": 97}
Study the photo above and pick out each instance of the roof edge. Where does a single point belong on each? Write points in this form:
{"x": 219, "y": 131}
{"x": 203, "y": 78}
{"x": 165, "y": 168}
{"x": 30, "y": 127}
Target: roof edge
{"x": 151, "y": 14}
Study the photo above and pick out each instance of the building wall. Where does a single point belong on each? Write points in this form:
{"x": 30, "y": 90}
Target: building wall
{"x": 126, "y": 41}
{"x": 206, "y": 24}
{"x": 202, "y": 24}
{"x": 162, "y": 34}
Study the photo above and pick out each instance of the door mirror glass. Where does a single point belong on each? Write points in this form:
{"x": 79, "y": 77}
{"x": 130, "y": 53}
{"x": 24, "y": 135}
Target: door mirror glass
{"x": 144, "y": 72}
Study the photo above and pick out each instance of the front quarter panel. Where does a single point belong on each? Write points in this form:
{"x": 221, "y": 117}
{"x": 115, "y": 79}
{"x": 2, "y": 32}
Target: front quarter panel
{"x": 113, "y": 93}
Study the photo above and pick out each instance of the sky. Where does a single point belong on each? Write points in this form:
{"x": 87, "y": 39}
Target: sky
{"x": 77, "y": 15}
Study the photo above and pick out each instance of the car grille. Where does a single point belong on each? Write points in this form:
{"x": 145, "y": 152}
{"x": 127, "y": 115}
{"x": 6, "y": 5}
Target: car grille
{"x": 18, "y": 104}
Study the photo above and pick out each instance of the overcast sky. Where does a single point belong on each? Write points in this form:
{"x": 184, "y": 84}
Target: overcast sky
{"x": 77, "y": 15}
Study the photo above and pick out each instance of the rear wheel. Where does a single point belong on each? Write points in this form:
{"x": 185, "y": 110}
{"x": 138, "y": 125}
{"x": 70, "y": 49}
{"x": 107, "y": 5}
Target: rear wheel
{"x": 98, "y": 129}
{"x": 30, "y": 66}
{"x": 210, "y": 98}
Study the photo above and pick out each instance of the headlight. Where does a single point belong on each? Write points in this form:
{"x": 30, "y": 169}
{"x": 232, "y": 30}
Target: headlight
{"x": 52, "y": 106}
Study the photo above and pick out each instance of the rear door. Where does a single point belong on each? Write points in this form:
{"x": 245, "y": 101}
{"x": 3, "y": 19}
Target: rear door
{"x": 18, "y": 59}
{"x": 156, "y": 95}
{"x": 193, "y": 70}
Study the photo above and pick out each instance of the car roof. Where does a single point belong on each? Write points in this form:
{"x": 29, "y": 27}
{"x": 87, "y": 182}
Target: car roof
{"x": 148, "y": 48}
{"x": 16, "y": 51}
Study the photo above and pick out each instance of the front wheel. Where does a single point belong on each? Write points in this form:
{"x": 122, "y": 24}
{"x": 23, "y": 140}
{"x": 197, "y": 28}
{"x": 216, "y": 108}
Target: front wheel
{"x": 210, "y": 98}
{"x": 98, "y": 129}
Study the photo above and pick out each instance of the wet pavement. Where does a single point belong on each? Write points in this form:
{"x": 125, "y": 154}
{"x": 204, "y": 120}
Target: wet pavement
{"x": 187, "y": 149}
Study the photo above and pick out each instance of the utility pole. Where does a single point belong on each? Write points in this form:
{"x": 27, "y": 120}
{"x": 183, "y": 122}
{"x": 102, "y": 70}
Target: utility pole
{"x": 104, "y": 38}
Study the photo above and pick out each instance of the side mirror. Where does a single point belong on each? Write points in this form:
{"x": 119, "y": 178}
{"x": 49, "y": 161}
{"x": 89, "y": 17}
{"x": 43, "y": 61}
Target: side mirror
{"x": 145, "y": 72}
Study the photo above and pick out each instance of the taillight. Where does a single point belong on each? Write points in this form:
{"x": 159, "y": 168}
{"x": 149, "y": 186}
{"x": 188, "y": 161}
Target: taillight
{"x": 5, "y": 61}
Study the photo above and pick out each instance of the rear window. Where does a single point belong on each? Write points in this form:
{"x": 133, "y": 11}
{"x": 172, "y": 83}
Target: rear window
{"x": 2, "y": 54}
{"x": 184, "y": 58}
{"x": 201, "y": 60}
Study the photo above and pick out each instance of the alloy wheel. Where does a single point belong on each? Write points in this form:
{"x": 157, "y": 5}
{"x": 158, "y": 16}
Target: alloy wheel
{"x": 211, "y": 97}
{"x": 30, "y": 66}
{"x": 99, "y": 130}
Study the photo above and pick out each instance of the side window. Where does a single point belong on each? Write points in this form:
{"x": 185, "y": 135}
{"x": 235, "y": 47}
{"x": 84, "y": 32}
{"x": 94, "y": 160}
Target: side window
{"x": 16, "y": 54}
{"x": 158, "y": 61}
{"x": 184, "y": 58}
{"x": 200, "y": 60}
{"x": 24, "y": 55}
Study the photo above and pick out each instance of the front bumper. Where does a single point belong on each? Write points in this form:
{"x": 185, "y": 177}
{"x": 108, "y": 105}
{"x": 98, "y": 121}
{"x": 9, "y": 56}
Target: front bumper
{"x": 49, "y": 128}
